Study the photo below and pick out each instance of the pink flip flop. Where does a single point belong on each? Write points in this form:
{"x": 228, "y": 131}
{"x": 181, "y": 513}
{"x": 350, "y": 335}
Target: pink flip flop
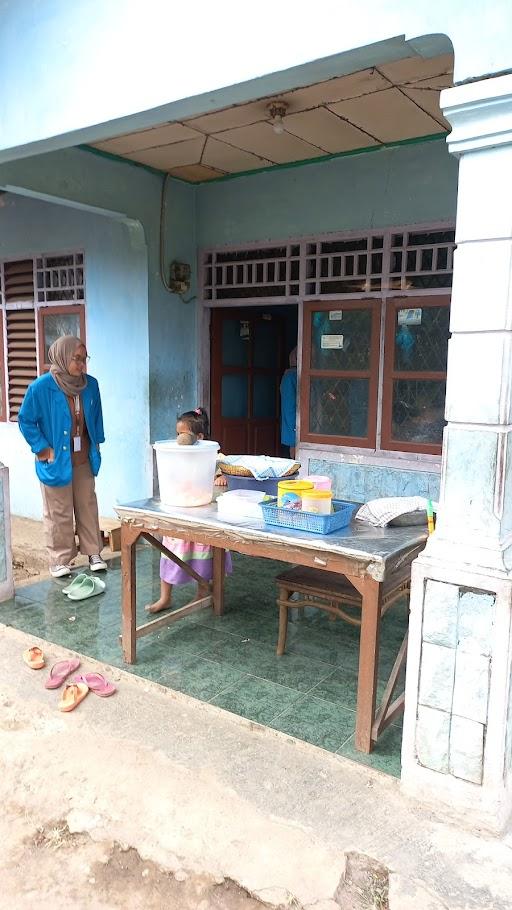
{"x": 97, "y": 683}
{"x": 60, "y": 671}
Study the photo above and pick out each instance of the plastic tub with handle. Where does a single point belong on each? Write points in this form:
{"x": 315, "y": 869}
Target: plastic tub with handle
{"x": 186, "y": 473}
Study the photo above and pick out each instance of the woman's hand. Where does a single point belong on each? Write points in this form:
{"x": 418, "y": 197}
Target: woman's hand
{"x": 46, "y": 455}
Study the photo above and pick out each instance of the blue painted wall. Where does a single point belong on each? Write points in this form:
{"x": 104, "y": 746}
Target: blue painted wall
{"x": 117, "y": 339}
{"x": 80, "y": 178}
{"x": 409, "y": 183}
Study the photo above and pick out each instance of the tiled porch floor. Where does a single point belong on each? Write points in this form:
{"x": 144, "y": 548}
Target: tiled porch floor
{"x": 229, "y": 661}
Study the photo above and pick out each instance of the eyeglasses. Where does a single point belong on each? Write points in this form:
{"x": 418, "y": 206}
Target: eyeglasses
{"x": 78, "y": 359}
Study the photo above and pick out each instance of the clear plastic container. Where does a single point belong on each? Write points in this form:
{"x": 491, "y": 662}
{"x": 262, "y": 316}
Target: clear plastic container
{"x": 186, "y": 473}
{"x": 318, "y": 501}
{"x": 290, "y": 493}
{"x": 319, "y": 481}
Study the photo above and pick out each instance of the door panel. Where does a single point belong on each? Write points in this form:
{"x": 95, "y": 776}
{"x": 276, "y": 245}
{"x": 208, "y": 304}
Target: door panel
{"x": 247, "y": 348}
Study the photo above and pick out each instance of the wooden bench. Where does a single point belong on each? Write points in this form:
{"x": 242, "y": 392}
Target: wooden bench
{"x": 332, "y": 593}
{"x": 326, "y": 591}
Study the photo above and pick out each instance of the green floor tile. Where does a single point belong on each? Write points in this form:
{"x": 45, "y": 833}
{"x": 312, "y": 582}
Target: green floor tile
{"x": 386, "y": 754}
{"x": 291, "y": 670}
{"x": 200, "y": 677}
{"x": 230, "y": 660}
{"x": 317, "y": 721}
{"x": 256, "y": 699}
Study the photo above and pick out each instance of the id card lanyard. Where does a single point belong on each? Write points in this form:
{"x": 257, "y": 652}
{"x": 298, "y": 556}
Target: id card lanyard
{"x": 77, "y": 440}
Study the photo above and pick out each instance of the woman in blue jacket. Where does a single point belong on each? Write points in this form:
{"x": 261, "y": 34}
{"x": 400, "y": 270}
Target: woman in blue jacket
{"x": 61, "y": 420}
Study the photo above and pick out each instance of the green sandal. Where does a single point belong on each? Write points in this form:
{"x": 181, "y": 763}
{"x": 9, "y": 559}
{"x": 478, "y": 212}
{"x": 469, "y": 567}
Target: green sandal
{"x": 77, "y": 581}
{"x": 89, "y": 587}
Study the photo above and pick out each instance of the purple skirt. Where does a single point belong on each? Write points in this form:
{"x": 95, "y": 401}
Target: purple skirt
{"x": 198, "y": 556}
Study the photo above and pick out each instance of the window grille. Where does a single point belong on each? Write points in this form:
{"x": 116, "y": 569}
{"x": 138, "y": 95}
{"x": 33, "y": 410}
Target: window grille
{"x": 421, "y": 260}
{"x": 60, "y": 278}
{"x": 269, "y": 272}
{"x": 367, "y": 264}
{"x": 344, "y": 266}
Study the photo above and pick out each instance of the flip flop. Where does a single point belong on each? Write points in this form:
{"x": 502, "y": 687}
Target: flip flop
{"x": 89, "y": 587}
{"x": 34, "y": 658}
{"x": 77, "y": 581}
{"x": 96, "y": 683}
{"x": 72, "y": 695}
{"x": 59, "y": 671}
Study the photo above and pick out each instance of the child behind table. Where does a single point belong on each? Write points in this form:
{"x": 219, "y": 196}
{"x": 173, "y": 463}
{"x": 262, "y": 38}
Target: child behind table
{"x": 199, "y": 556}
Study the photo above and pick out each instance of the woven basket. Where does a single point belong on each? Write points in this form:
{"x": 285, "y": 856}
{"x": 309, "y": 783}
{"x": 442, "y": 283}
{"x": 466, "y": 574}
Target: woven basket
{"x": 237, "y": 471}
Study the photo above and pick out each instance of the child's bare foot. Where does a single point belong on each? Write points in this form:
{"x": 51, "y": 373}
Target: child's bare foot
{"x": 159, "y": 605}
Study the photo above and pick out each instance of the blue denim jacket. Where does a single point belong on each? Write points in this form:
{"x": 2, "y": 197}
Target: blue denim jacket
{"x": 45, "y": 422}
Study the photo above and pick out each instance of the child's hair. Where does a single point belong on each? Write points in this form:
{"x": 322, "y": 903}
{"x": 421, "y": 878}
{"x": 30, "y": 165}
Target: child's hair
{"x": 196, "y": 421}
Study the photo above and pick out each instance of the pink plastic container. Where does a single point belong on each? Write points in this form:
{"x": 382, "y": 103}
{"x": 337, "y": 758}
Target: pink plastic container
{"x": 319, "y": 481}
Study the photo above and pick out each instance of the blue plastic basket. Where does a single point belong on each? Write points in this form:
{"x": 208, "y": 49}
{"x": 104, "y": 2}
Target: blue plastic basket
{"x": 309, "y": 521}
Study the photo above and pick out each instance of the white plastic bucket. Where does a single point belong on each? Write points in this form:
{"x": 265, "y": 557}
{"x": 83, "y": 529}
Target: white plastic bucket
{"x": 186, "y": 473}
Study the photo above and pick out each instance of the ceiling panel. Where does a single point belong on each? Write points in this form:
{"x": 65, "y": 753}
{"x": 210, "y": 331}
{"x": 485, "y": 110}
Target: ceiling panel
{"x": 338, "y": 89}
{"x": 412, "y": 69}
{"x": 231, "y": 117}
{"x": 428, "y": 100}
{"x": 389, "y": 116}
{"x": 227, "y": 158}
{"x": 168, "y": 156}
{"x": 261, "y": 139}
{"x": 160, "y": 135}
{"x": 323, "y": 128}
{"x": 196, "y": 172}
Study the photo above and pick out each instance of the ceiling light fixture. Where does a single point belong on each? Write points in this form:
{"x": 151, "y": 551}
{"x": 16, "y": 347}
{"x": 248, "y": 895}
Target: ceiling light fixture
{"x": 276, "y": 111}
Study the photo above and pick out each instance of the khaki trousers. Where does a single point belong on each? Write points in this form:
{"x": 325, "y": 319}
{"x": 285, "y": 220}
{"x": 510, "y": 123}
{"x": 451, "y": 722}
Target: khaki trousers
{"x": 59, "y": 504}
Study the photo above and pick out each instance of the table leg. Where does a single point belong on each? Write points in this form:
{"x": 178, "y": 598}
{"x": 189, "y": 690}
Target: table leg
{"x": 129, "y": 537}
{"x": 219, "y": 571}
{"x": 368, "y": 664}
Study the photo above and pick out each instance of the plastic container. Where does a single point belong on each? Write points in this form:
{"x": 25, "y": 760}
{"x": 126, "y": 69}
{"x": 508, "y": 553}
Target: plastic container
{"x": 290, "y": 492}
{"x": 309, "y": 521}
{"x": 240, "y": 504}
{"x": 186, "y": 473}
{"x": 319, "y": 481}
{"x": 319, "y": 501}
{"x": 235, "y": 482}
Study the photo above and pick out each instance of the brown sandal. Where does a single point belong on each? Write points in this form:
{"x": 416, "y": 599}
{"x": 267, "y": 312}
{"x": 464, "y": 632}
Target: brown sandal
{"x": 34, "y": 658}
{"x": 72, "y": 695}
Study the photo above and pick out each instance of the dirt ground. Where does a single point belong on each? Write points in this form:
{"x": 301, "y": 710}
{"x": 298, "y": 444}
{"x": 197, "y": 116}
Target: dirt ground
{"x": 70, "y": 871}
{"x": 29, "y": 557}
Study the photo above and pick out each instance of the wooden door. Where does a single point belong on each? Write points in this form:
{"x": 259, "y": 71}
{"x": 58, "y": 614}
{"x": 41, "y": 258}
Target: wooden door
{"x": 247, "y": 350}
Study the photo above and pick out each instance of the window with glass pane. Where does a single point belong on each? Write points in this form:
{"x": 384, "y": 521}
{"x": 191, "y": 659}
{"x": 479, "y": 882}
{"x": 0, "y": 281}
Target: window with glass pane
{"x": 416, "y": 352}
{"x": 340, "y": 373}
{"x": 57, "y": 324}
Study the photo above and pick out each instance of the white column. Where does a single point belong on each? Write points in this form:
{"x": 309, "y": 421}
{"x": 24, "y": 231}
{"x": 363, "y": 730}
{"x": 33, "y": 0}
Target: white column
{"x": 458, "y": 721}
{"x": 6, "y": 583}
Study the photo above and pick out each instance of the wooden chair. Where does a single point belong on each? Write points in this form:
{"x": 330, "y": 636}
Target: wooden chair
{"x": 326, "y": 591}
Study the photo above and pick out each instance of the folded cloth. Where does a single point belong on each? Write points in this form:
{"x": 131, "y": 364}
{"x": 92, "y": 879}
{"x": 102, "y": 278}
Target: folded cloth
{"x": 261, "y": 467}
{"x": 379, "y": 512}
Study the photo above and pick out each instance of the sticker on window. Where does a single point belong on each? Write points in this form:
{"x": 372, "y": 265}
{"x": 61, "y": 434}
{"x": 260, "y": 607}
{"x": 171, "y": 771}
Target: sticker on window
{"x": 335, "y": 315}
{"x": 332, "y": 342}
{"x": 409, "y": 317}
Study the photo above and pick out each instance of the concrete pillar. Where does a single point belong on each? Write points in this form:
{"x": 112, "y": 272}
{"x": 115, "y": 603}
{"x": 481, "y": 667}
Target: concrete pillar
{"x": 457, "y": 746}
{"x": 6, "y": 583}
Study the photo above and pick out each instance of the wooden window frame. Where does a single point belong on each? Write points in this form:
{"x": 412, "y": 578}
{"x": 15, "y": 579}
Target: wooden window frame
{"x": 4, "y": 407}
{"x": 50, "y": 310}
{"x": 391, "y": 374}
{"x": 371, "y": 374}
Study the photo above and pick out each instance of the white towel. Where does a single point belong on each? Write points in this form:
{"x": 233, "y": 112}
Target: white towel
{"x": 379, "y": 512}
{"x": 261, "y": 467}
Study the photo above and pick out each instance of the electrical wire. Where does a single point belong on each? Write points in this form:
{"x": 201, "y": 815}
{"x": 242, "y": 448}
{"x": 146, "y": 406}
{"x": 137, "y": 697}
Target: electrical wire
{"x": 165, "y": 283}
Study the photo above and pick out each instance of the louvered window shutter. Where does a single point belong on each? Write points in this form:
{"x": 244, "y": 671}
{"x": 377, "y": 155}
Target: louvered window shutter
{"x": 20, "y": 331}
{"x": 21, "y": 356}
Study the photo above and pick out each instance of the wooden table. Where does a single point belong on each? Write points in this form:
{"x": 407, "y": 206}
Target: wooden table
{"x": 374, "y": 560}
